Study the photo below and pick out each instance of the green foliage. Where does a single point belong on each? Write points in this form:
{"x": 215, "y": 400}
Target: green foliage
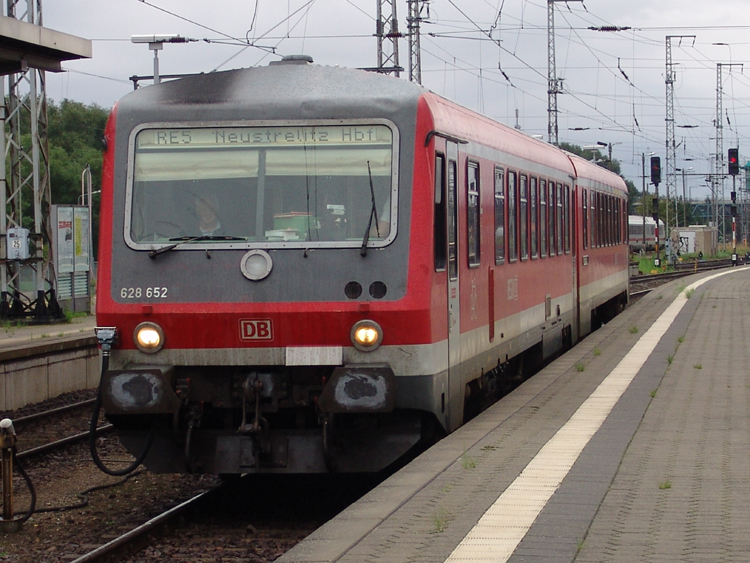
{"x": 75, "y": 132}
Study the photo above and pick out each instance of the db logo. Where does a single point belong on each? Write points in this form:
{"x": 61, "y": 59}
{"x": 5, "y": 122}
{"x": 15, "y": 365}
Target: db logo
{"x": 256, "y": 330}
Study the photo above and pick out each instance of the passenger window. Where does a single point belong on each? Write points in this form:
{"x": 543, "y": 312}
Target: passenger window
{"x": 543, "y": 218}
{"x": 567, "y": 214}
{"x": 441, "y": 215}
{"x": 472, "y": 210}
{"x": 512, "y": 218}
{"x": 524, "y": 217}
{"x": 499, "y": 216}
{"x": 533, "y": 222}
{"x": 452, "y": 221}
{"x": 559, "y": 220}
{"x": 552, "y": 214}
{"x": 585, "y": 220}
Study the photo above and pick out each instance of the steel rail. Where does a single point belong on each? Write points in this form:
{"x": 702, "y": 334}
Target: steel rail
{"x": 52, "y": 412}
{"x": 137, "y": 538}
{"x": 31, "y": 452}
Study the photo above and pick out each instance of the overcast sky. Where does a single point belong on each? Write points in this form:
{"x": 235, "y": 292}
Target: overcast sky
{"x": 488, "y": 55}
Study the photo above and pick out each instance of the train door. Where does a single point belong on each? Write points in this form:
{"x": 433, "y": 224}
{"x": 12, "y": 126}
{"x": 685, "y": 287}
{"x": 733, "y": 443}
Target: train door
{"x": 456, "y": 403}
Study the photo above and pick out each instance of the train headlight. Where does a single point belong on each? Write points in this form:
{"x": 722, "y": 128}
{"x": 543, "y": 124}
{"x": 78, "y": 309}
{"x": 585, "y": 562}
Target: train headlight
{"x": 366, "y": 335}
{"x": 149, "y": 337}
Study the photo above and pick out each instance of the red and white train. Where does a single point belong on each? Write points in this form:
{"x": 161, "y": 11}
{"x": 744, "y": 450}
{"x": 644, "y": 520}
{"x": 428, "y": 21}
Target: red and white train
{"x": 311, "y": 269}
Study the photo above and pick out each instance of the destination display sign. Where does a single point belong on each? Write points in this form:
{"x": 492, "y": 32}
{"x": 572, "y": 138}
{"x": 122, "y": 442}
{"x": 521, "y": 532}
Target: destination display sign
{"x": 205, "y": 137}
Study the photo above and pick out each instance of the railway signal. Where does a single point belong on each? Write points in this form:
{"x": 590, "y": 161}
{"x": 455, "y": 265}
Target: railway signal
{"x": 655, "y": 170}
{"x": 734, "y": 169}
{"x": 656, "y": 180}
{"x": 734, "y": 162}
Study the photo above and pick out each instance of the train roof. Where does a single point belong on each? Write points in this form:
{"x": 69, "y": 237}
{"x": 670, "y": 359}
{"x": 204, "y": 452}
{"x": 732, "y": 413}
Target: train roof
{"x": 591, "y": 171}
{"x": 295, "y": 86}
{"x": 638, "y": 220}
{"x": 289, "y": 87}
{"x": 468, "y": 125}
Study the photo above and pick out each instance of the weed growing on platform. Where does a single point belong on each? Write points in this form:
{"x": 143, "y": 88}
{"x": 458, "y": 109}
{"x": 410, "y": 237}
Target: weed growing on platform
{"x": 653, "y": 393}
{"x": 580, "y": 366}
{"x": 440, "y": 520}
{"x": 689, "y": 292}
{"x": 698, "y": 366}
{"x": 665, "y": 484}
{"x": 468, "y": 462}
{"x": 633, "y": 329}
{"x": 681, "y": 339}
{"x": 597, "y": 352}
{"x": 670, "y": 359}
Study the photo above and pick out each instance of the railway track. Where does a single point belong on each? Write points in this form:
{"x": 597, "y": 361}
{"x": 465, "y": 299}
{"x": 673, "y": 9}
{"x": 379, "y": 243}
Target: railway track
{"x": 137, "y": 538}
{"x": 48, "y": 419}
{"x": 681, "y": 270}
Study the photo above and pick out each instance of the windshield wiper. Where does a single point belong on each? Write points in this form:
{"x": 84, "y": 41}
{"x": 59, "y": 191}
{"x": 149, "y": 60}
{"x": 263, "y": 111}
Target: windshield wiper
{"x": 373, "y": 213}
{"x": 184, "y": 240}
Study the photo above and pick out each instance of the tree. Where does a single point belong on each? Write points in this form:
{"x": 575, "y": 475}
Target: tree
{"x": 75, "y": 133}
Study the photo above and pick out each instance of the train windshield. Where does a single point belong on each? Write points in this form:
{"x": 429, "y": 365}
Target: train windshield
{"x": 292, "y": 185}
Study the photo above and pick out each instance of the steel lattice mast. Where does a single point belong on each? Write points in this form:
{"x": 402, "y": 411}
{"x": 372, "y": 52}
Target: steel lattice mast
{"x": 415, "y": 51}
{"x": 554, "y": 84}
{"x": 717, "y": 183}
{"x": 718, "y": 178}
{"x": 388, "y": 36}
{"x": 671, "y": 149}
{"x": 28, "y": 178}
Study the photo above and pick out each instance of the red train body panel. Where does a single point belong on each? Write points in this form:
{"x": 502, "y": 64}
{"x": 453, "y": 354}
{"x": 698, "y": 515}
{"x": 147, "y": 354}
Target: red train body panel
{"x": 459, "y": 253}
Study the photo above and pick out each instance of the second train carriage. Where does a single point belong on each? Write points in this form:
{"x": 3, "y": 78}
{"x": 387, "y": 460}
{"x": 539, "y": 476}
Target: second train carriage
{"x": 642, "y": 232}
{"x": 386, "y": 260}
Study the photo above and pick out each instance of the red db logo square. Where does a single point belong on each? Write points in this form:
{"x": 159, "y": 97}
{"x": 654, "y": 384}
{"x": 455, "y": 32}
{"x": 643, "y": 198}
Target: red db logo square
{"x": 256, "y": 330}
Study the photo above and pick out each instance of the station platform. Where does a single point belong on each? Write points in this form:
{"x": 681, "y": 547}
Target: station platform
{"x": 13, "y": 335}
{"x": 632, "y": 447}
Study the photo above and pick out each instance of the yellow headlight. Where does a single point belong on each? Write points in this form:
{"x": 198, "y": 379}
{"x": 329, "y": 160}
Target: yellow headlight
{"x": 149, "y": 337}
{"x": 366, "y": 335}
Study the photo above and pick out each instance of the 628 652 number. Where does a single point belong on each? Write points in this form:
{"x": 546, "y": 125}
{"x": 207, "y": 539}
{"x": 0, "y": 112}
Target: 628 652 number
{"x": 139, "y": 292}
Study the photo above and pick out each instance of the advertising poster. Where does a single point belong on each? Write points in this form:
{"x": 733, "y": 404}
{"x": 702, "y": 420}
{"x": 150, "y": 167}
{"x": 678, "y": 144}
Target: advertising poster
{"x": 65, "y": 242}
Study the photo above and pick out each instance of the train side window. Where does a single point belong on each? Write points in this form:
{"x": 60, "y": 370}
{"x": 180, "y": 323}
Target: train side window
{"x": 512, "y": 218}
{"x": 499, "y": 216}
{"x": 592, "y": 221}
{"x": 585, "y": 219}
{"x": 596, "y": 219}
{"x": 618, "y": 223}
{"x": 533, "y": 193}
{"x": 472, "y": 212}
{"x": 559, "y": 219}
{"x": 441, "y": 215}
{"x": 551, "y": 216}
{"x": 542, "y": 218}
{"x": 452, "y": 221}
{"x": 523, "y": 214}
{"x": 567, "y": 215}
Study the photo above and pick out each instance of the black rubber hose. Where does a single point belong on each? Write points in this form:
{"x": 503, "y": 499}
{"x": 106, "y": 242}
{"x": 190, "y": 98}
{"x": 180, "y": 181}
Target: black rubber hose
{"x": 32, "y": 490}
{"x": 92, "y": 433}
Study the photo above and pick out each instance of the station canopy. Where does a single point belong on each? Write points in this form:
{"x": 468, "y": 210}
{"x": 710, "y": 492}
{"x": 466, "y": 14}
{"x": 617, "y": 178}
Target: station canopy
{"x": 24, "y": 45}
